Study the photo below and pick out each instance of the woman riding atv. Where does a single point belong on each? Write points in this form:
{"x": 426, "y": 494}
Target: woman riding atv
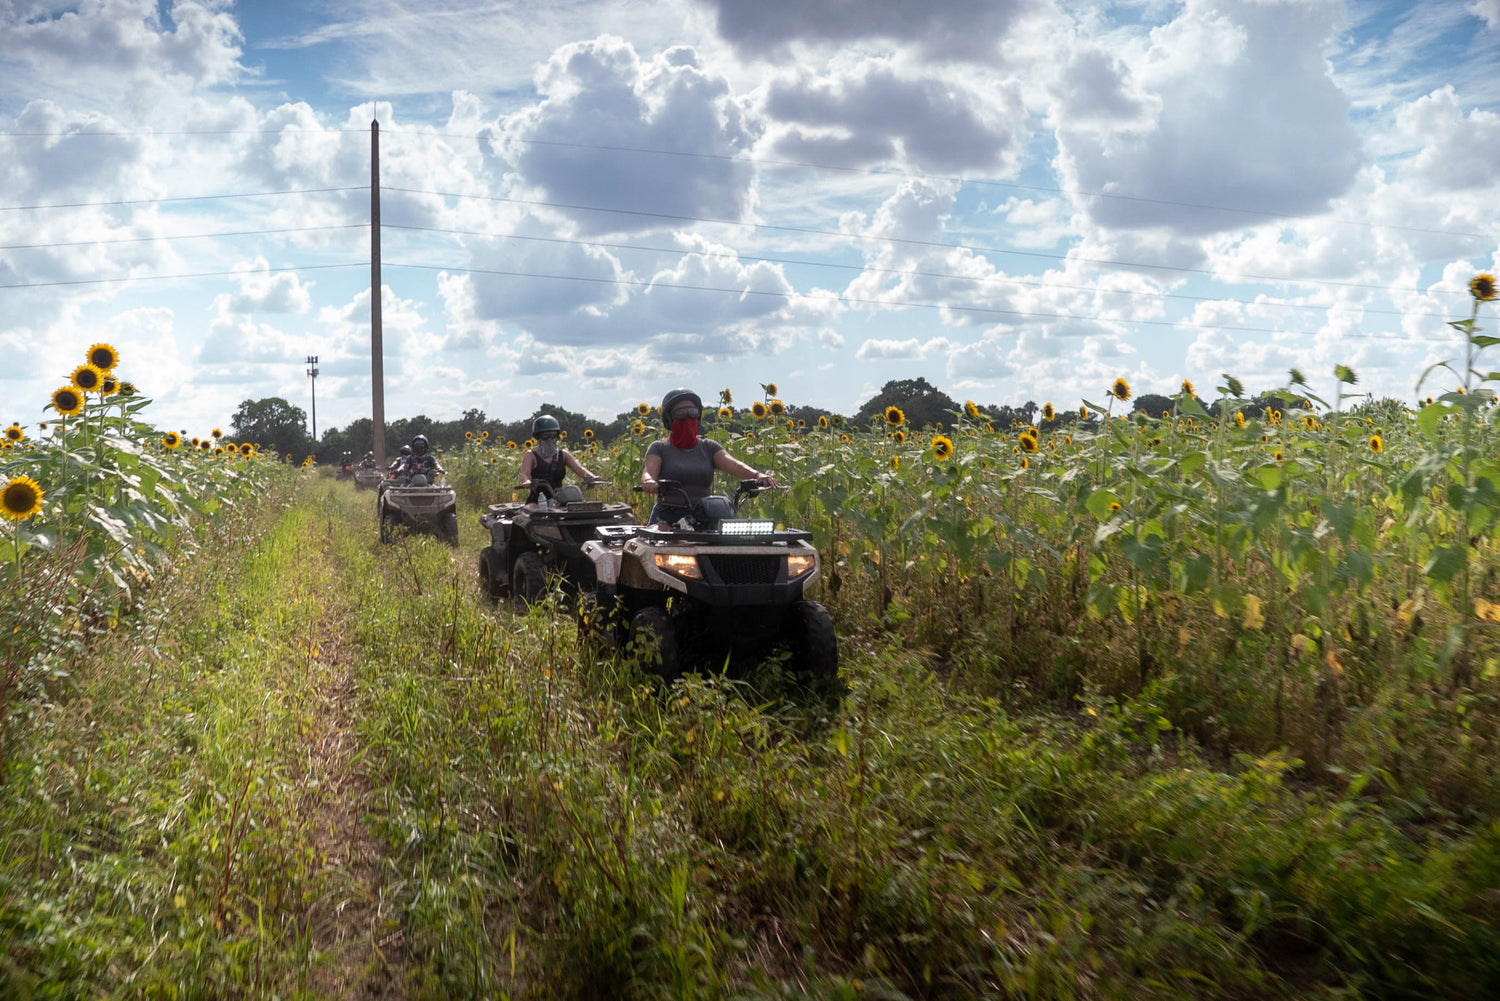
{"x": 545, "y": 464}
{"x": 688, "y": 460}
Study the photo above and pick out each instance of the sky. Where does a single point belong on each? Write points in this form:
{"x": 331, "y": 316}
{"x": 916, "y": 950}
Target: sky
{"x": 590, "y": 202}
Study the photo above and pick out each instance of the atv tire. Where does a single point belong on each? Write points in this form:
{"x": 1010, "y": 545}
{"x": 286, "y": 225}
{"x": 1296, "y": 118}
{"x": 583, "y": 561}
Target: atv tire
{"x": 656, "y": 634}
{"x": 528, "y": 580}
{"x": 448, "y": 524}
{"x": 809, "y": 634}
{"x": 489, "y": 575}
{"x": 387, "y": 526}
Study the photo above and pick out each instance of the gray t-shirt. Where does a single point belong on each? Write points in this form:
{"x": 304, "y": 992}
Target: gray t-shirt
{"x": 692, "y": 467}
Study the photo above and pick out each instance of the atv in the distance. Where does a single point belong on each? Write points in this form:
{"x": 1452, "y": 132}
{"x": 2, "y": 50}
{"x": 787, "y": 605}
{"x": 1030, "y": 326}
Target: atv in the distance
{"x": 368, "y": 477}
{"x": 720, "y": 591}
{"x": 528, "y": 541}
{"x": 411, "y": 502}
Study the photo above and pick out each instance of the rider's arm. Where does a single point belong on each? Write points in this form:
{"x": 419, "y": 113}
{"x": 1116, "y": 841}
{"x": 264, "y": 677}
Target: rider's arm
{"x": 527, "y": 462}
{"x": 736, "y": 468}
{"x": 576, "y": 466}
{"x": 649, "y": 472}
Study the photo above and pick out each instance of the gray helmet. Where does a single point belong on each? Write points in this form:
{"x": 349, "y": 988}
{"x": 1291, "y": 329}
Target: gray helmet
{"x": 674, "y": 397}
{"x": 419, "y": 445}
{"x": 545, "y": 422}
{"x": 406, "y": 450}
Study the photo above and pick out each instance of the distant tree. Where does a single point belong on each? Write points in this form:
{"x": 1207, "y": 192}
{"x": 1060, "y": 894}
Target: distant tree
{"x": 1153, "y": 405}
{"x": 923, "y": 404}
{"x": 273, "y": 424}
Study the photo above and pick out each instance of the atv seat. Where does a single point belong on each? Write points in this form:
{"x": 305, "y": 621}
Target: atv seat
{"x": 567, "y": 495}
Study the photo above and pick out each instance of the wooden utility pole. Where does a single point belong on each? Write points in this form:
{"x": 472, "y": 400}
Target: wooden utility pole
{"x": 377, "y": 364}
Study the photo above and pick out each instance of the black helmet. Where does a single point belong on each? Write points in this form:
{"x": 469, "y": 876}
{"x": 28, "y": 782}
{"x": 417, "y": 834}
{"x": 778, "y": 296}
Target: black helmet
{"x": 674, "y": 397}
{"x": 419, "y": 445}
{"x": 406, "y": 450}
{"x": 545, "y": 422}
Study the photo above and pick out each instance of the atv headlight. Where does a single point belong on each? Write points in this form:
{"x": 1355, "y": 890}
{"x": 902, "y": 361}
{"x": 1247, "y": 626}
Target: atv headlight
{"x": 798, "y": 564}
{"x": 747, "y": 526}
{"x": 679, "y": 565}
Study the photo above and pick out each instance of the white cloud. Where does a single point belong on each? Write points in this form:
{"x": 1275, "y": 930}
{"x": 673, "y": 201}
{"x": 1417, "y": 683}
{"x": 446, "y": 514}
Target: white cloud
{"x": 872, "y": 113}
{"x": 874, "y": 349}
{"x": 1245, "y": 117}
{"x": 1487, "y": 11}
{"x": 938, "y": 29}
{"x": 600, "y": 94}
{"x": 1458, "y": 152}
{"x": 264, "y": 292}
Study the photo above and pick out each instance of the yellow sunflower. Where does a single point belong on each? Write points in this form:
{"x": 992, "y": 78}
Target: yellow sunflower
{"x": 643, "y": 409}
{"x": 246, "y": 448}
{"x": 894, "y": 416}
{"x": 531, "y": 442}
{"x": 1376, "y": 445}
{"x": 823, "y": 422}
{"x": 846, "y": 438}
{"x": 770, "y": 388}
{"x": 127, "y": 389}
{"x": 1187, "y": 388}
{"x": 1025, "y": 462}
{"x": 67, "y": 400}
{"x": 942, "y": 447}
{"x": 1120, "y": 390}
{"x": 726, "y": 398}
{"x": 725, "y": 413}
{"x": 15, "y": 433}
{"x": 1482, "y": 287}
{"x": 468, "y": 435}
{"x": 1239, "y": 418}
{"x": 512, "y": 445}
{"x": 778, "y": 408}
{"x": 759, "y": 410}
{"x": 972, "y": 409}
{"x": 103, "y": 357}
{"x": 484, "y": 436}
{"x": 87, "y": 378}
{"x": 193, "y": 441}
{"x": 1048, "y": 413}
{"x": 1028, "y": 443}
{"x": 895, "y": 462}
{"x": 639, "y": 427}
{"x": 217, "y": 434}
{"x": 171, "y": 440}
{"x": 899, "y": 437}
{"x": 1083, "y": 412}
{"x": 21, "y": 498}
{"x": 588, "y": 432}
{"x": 110, "y": 386}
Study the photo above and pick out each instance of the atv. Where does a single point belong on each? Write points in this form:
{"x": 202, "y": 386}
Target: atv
{"x": 412, "y": 502}
{"x": 367, "y": 477}
{"x": 526, "y": 541}
{"x": 715, "y": 589}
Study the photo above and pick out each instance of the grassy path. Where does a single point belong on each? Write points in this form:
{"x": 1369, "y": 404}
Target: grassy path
{"x": 315, "y": 766}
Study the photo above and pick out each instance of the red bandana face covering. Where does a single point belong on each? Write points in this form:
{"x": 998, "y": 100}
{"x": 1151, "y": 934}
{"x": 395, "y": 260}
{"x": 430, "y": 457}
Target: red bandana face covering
{"x": 684, "y": 433}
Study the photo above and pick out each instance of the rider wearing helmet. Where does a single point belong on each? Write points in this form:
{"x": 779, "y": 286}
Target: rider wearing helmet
{"x": 545, "y": 462}
{"x": 684, "y": 457}
{"x": 398, "y": 465}
{"x": 422, "y": 460}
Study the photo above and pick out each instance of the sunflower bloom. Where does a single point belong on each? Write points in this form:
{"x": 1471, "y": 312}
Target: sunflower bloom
{"x": 726, "y": 398}
{"x": 770, "y": 388}
{"x": 639, "y": 427}
{"x": 1048, "y": 414}
{"x": 67, "y": 400}
{"x": 1187, "y": 388}
{"x": 759, "y": 410}
{"x": 725, "y": 413}
{"x": 1025, "y": 462}
{"x": 15, "y": 433}
{"x": 1120, "y": 390}
{"x": 1028, "y": 443}
{"x": 1239, "y": 418}
{"x": 171, "y": 440}
{"x": 87, "y": 378}
{"x": 1376, "y": 445}
{"x": 894, "y": 416}
{"x": 246, "y": 448}
{"x": 468, "y": 435}
{"x": 942, "y": 447}
{"x": 127, "y": 389}
{"x": 511, "y": 445}
{"x": 778, "y": 408}
{"x": 823, "y": 422}
{"x": 1083, "y": 412}
{"x": 899, "y": 437}
{"x": 103, "y": 357}
{"x": 1482, "y": 287}
{"x": 643, "y": 409}
{"x": 21, "y": 498}
{"x": 588, "y": 433}
{"x": 895, "y": 462}
{"x": 971, "y": 409}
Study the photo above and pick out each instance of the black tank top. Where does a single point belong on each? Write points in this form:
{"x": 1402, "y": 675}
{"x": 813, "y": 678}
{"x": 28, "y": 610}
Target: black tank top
{"x": 552, "y": 471}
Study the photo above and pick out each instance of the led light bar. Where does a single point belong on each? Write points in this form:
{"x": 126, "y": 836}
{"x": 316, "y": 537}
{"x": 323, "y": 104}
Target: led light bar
{"x": 747, "y": 526}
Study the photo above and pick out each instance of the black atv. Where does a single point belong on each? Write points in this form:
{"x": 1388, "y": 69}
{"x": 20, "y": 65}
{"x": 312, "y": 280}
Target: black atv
{"x": 714, "y": 590}
{"x": 528, "y": 541}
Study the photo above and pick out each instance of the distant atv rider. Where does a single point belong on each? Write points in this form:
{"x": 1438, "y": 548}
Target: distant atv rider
{"x": 422, "y": 461}
{"x": 545, "y": 462}
{"x": 684, "y": 457}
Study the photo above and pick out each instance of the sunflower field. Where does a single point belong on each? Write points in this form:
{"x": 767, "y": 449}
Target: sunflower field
{"x": 1198, "y": 704}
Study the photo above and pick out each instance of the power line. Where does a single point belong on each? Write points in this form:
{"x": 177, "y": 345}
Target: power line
{"x": 181, "y": 236}
{"x": 869, "y": 269}
{"x": 931, "y": 244}
{"x": 194, "y": 274}
{"x": 1024, "y": 314}
{"x": 181, "y": 198}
